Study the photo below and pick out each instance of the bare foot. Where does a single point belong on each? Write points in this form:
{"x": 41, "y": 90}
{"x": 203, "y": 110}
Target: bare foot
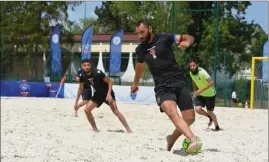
{"x": 96, "y": 130}
{"x": 170, "y": 143}
{"x": 76, "y": 114}
{"x": 129, "y": 131}
{"x": 210, "y": 123}
{"x": 194, "y": 146}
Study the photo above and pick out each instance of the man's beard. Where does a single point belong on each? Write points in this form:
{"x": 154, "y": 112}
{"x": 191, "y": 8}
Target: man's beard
{"x": 87, "y": 71}
{"x": 195, "y": 72}
{"x": 147, "y": 38}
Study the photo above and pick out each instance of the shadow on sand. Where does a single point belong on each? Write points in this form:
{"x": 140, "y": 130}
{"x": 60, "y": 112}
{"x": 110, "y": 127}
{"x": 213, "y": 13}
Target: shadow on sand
{"x": 181, "y": 152}
{"x": 213, "y": 130}
{"x": 116, "y": 131}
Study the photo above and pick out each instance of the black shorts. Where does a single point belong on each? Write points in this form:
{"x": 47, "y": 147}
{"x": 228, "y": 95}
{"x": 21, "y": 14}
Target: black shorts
{"x": 86, "y": 94}
{"x": 208, "y": 102}
{"x": 100, "y": 98}
{"x": 235, "y": 101}
{"x": 181, "y": 95}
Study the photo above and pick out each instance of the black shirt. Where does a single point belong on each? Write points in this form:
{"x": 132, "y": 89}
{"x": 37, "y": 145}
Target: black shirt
{"x": 80, "y": 75}
{"x": 160, "y": 59}
{"x": 96, "y": 79}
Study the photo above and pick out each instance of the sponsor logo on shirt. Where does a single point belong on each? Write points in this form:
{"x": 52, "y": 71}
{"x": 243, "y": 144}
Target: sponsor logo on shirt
{"x": 152, "y": 51}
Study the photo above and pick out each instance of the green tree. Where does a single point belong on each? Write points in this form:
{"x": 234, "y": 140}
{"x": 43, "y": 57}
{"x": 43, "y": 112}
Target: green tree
{"x": 78, "y": 28}
{"x": 236, "y": 36}
{"x": 26, "y": 25}
{"x": 257, "y": 43}
{"x": 108, "y": 21}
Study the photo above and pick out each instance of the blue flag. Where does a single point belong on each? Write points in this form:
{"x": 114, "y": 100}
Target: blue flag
{"x": 56, "y": 61}
{"x": 265, "y": 63}
{"x": 86, "y": 43}
{"x": 115, "y": 51}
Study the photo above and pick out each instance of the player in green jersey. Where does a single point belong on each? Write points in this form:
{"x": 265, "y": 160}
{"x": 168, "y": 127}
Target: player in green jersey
{"x": 204, "y": 92}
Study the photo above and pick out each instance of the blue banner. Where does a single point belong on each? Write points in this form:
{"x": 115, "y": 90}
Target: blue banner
{"x": 30, "y": 89}
{"x": 265, "y": 63}
{"x": 56, "y": 61}
{"x": 115, "y": 51}
{"x": 86, "y": 43}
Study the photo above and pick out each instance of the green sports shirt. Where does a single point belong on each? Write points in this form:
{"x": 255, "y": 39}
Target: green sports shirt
{"x": 201, "y": 79}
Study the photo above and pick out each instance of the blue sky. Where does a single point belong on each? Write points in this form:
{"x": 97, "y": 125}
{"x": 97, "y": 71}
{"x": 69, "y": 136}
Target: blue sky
{"x": 258, "y": 12}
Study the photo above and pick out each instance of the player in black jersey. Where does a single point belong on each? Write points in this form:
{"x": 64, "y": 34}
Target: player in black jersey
{"x": 171, "y": 88}
{"x": 103, "y": 93}
{"x": 86, "y": 94}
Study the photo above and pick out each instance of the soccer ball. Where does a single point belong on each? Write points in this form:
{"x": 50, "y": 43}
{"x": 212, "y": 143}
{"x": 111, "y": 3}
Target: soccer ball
{"x": 185, "y": 144}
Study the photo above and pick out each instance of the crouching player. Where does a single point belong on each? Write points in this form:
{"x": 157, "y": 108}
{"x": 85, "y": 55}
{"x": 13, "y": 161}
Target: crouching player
{"x": 103, "y": 93}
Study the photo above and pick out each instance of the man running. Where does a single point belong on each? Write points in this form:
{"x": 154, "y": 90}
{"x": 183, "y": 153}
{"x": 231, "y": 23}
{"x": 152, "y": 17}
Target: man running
{"x": 85, "y": 91}
{"x": 171, "y": 88}
{"x": 103, "y": 93}
{"x": 204, "y": 92}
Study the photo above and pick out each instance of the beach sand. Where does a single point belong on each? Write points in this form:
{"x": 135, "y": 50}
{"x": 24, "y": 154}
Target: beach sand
{"x": 39, "y": 130}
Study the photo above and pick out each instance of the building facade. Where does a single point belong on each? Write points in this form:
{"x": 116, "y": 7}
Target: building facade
{"x": 100, "y": 45}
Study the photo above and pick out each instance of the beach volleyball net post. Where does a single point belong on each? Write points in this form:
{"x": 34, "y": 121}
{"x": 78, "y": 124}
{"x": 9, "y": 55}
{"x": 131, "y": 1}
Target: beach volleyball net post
{"x": 259, "y": 83}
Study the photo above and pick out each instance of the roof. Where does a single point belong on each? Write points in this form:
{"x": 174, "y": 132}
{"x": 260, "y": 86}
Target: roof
{"x": 127, "y": 37}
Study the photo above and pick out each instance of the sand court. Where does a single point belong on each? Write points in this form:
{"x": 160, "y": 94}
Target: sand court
{"x": 45, "y": 130}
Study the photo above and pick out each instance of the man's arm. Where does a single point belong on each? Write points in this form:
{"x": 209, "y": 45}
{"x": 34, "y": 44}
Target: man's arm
{"x": 110, "y": 83}
{"x": 139, "y": 70}
{"x": 194, "y": 86}
{"x": 183, "y": 40}
{"x": 80, "y": 89}
{"x": 209, "y": 84}
{"x": 208, "y": 79}
{"x": 139, "y": 66}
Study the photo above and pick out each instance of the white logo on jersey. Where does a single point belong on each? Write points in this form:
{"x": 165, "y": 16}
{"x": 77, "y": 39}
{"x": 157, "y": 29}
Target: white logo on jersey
{"x": 91, "y": 81}
{"x": 152, "y": 51}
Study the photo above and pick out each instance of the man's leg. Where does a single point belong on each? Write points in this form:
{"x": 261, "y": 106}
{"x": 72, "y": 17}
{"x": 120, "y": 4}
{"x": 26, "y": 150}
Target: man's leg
{"x": 86, "y": 96}
{"x": 210, "y": 105}
{"x": 122, "y": 119}
{"x": 170, "y": 108}
{"x": 90, "y": 106}
{"x": 200, "y": 111}
{"x": 214, "y": 118}
{"x": 199, "y": 104}
{"x": 82, "y": 103}
{"x": 189, "y": 117}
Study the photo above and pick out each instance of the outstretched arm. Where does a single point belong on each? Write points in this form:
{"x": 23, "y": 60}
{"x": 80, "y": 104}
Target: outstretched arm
{"x": 184, "y": 40}
{"x": 195, "y": 88}
{"x": 80, "y": 89}
{"x": 110, "y": 83}
{"x": 209, "y": 84}
{"x": 139, "y": 67}
{"x": 139, "y": 70}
